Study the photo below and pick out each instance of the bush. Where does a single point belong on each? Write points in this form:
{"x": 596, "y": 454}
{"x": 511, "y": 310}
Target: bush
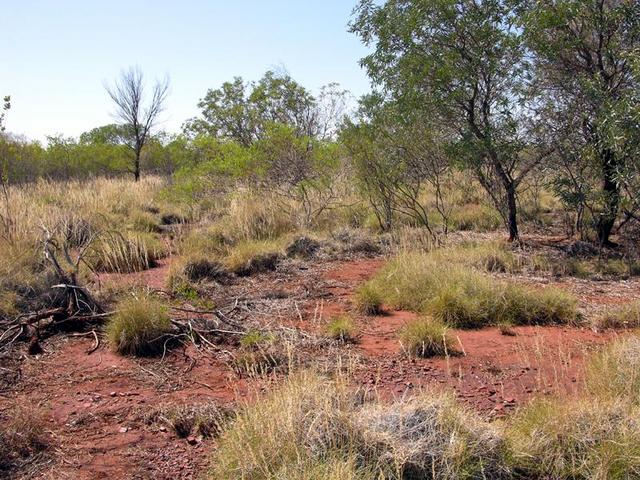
{"x": 426, "y": 337}
{"x": 341, "y": 328}
{"x": 139, "y": 325}
{"x": 580, "y": 439}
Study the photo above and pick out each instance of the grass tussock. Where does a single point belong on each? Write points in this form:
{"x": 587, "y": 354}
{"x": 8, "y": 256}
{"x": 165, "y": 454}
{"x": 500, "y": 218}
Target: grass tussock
{"x": 614, "y": 372}
{"x": 627, "y": 316}
{"x": 341, "y": 328}
{"x": 251, "y": 257}
{"x": 463, "y": 297}
{"x": 117, "y": 253}
{"x": 581, "y": 439}
{"x": 426, "y": 337}
{"x": 314, "y": 428}
{"x": 368, "y": 300}
{"x": 139, "y": 326}
{"x": 260, "y": 353}
{"x": 22, "y": 437}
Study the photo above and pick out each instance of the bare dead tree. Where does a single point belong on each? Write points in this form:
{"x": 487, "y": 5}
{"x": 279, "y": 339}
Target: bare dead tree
{"x": 128, "y": 95}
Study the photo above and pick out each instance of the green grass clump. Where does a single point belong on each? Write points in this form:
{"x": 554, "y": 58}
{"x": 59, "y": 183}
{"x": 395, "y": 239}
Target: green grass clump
{"x": 580, "y": 439}
{"x": 367, "y": 300}
{"x": 426, "y": 337}
{"x": 253, "y": 256}
{"x": 627, "y": 316}
{"x": 139, "y": 325}
{"x": 341, "y": 328}
{"x": 463, "y": 297}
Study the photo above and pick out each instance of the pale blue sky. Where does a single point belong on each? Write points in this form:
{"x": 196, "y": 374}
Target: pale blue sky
{"x": 56, "y": 55}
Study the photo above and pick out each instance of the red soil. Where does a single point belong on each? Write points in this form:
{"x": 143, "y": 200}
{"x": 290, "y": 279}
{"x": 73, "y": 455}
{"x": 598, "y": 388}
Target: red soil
{"x": 95, "y": 403}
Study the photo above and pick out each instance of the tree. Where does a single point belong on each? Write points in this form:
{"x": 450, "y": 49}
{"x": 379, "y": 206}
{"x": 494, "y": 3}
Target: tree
{"x": 586, "y": 55}
{"x": 394, "y": 157}
{"x": 243, "y": 111}
{"x": 461, "y": 62}
{"x": 6, "y": 106}
{"x": 128, "y": 95}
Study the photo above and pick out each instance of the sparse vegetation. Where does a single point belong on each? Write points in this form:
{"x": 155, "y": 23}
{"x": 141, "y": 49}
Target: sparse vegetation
{"x": 22, "y": 437}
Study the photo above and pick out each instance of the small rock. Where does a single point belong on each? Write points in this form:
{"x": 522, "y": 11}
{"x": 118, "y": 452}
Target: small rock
{"x": 124, "y": 429}
{"x": 163, "y": 428}
{"x": 191, "y": 440}
{"x": 113, "y": 394}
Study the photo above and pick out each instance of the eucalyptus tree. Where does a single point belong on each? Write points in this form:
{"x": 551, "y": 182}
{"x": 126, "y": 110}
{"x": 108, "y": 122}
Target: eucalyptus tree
{"x": 464, "y": 63}
{"x": 587, "y": 58}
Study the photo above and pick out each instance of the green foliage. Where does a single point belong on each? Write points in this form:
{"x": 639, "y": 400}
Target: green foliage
{"x": 242, "y": 112}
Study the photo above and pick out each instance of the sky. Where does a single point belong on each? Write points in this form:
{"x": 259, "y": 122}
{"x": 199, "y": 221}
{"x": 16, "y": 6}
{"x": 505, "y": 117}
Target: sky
{"x": 55, "y": 56}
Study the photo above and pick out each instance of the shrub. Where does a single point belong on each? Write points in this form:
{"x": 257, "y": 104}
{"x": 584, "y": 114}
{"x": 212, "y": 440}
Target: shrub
{"x": 580, "y": 439}
{"x": 425, "y": 337}
{"x": 139, "y": 326}
{"x": 627, "y": 316}
{"x": 341, "y": 328}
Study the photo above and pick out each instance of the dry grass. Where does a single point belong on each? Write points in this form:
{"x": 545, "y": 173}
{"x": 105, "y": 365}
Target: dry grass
{"x": 315, "y": 428}
{"x": 116, "y": 253}
{"x": 22, "y": 437}
{"x": 614, "y": 372}
{"x": 583, "y": 439}
{"x": 627, "y": 316}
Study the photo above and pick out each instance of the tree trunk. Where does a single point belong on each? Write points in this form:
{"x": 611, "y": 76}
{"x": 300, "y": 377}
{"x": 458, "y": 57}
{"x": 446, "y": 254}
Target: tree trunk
{"x": 611, "y": 193}
{"x": 136, "y": 166}
{"x": 512, "y": 213}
